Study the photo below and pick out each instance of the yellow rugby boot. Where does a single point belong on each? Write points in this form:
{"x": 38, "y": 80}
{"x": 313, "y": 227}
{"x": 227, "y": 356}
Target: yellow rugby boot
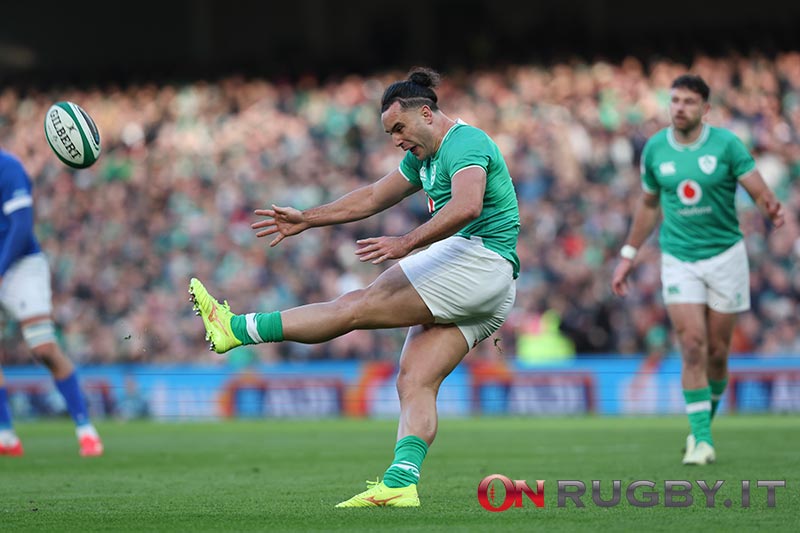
{"x": 379, "y": 495}
{"x": 216, "y": 318}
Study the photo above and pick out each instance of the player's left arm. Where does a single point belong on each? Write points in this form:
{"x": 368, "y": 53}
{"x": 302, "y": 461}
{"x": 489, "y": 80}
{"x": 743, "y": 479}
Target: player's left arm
{"x": 763, "y": 196}
{"x": 465, "y": 205}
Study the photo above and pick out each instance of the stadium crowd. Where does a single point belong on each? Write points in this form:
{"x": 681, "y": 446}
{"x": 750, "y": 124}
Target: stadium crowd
{"x": 185, "y": 164}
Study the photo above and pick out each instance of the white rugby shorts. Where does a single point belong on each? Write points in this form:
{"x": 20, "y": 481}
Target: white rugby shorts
{"x": 721, "y": 282}
{"x": 25, "y": 290}
{"x": 465, "y": 284}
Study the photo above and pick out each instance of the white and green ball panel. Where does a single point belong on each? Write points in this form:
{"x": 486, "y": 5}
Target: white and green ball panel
{"x": 72, "y": 117}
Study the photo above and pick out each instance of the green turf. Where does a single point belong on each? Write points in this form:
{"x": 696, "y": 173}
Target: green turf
{"x": 279, "y": 476}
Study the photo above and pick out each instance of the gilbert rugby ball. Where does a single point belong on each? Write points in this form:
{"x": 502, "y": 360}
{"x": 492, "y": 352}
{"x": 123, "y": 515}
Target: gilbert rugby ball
{"x": 72, "y": 134}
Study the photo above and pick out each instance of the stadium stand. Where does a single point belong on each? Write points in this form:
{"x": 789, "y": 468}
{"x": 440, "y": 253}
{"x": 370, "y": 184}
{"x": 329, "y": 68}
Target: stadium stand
{"x": 184, "y": 165}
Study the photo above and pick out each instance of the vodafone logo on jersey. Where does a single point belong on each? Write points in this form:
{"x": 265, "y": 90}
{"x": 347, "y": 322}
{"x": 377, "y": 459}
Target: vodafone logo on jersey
{"x": 690, "y": 192}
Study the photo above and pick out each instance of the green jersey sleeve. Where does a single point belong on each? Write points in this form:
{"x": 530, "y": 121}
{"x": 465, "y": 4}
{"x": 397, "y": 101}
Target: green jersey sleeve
{"x": 473, "y": 149}
{"x": 409, "y": 168}
{"x": 649, "y": 182}
{"x": 740, "y": 159}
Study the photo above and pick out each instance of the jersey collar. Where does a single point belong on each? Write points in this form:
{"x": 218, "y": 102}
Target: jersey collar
{"x": 688, "y": 147}
{"x": 458, "y": 123}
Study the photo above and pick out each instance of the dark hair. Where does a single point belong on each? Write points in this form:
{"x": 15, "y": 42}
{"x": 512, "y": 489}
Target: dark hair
{"x": 692, "y": 83}
{"x": 415, "y": 91}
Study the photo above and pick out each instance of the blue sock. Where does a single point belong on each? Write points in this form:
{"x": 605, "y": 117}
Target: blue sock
{"x": 5, "y": 412}
{"x": 71, "y": 392}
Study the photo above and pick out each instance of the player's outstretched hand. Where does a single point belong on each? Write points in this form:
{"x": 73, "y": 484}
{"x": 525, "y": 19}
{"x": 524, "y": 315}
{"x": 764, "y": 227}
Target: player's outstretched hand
{"x": 285, "y": 221}
{"x": 379, "y": 249}
{"x": 619, "y": 282}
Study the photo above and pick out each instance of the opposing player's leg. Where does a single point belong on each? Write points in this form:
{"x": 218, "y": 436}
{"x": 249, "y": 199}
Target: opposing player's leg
{"x": 39, "y": 333}
{"x": 430, "y": 353}
{"x": 26, "y": 294}
{"x": 689, "y": 322}
{"x": 9, "y": 442}
{"x": 388, "y": 302}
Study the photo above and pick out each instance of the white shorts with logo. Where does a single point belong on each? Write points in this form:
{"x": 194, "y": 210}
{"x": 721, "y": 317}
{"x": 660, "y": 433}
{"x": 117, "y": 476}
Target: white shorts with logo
{"x": 25, "y": 290}
{"x": 465, "y": 284}
{"x": 721, "y": 282}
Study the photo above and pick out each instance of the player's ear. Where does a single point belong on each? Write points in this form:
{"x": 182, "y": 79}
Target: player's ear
{"x": 706, "y": 108}
{"x": 426, "y": 113}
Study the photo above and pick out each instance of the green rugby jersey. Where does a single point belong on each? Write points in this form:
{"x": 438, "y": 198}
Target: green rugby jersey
{"x": 696, "y": 184}
{"x": 466, "y": 146}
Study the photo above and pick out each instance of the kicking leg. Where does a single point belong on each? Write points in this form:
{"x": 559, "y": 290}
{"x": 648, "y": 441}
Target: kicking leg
{"x": 389, "y": 302}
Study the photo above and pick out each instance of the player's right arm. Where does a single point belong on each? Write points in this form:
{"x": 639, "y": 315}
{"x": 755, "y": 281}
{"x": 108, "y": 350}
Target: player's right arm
{"x": 16, "y": 202}
{"x": 356, "y": 205}
{"x": 645, "y": 218}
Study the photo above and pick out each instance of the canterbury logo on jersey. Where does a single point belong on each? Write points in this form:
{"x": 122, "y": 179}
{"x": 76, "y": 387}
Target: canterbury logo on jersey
{"x": 667, "y": 168}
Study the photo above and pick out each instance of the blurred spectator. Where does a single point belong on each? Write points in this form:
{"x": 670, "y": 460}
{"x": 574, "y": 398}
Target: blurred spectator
{"x": 539, "y": 337}
{"x": 183, "y": 166}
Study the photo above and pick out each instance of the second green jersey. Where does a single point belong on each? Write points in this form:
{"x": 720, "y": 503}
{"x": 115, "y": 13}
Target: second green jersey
{"x": 696, "y": 184}
{"x": 462, "y": 147}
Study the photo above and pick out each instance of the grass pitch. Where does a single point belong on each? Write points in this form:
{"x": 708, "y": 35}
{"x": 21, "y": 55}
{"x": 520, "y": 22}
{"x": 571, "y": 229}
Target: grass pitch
{"x": 288, "y": 475}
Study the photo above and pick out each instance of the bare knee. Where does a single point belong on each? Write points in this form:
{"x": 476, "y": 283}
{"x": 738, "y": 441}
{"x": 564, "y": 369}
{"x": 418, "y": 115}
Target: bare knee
{"x": 364, "y": 308}
{"x": 50, "y": 356}
{"x": 718, "y": 358}
{"x": 47, "y": 354}
{"x": 411, "y": 383}
{"x": 351, "y": 307}
{"x": 694, "y": 348}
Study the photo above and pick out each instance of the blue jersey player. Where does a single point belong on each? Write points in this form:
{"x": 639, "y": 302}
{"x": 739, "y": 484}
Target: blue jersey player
{"x": 25, "y": 295}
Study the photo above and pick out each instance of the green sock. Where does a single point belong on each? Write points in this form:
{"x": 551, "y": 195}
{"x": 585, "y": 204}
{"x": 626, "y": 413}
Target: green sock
{"x": 717, "y": 388}
{"x": 254, "y": 328}
{"x": 409, "y": 452}
{"x": 698, "y": 409}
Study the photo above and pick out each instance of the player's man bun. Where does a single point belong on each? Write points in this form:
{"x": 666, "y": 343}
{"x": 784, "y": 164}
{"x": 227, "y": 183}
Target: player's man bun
{"x": 424, "y": 76}
{"x": 415, "y": 91}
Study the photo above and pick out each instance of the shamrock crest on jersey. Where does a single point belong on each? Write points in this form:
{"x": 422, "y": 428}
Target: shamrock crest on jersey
{"x": 708, "y": 163}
